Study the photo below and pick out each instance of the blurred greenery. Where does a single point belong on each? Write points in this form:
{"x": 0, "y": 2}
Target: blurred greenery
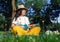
{"x": 37, "y": 3}
{"x": 8, "y": 37}
{"x": 58, "y": 1}
{"x": 2, "y": 21}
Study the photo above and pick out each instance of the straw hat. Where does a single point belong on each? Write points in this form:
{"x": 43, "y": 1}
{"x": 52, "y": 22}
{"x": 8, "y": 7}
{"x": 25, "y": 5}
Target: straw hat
{"x": 21, "y": 6}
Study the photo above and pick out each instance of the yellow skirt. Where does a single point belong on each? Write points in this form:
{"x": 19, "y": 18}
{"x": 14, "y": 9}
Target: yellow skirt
{"x": 20, "y": 31}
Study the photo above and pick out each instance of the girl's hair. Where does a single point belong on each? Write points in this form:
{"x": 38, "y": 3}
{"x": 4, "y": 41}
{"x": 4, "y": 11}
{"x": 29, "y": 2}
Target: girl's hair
{"x": 19, "y": 12}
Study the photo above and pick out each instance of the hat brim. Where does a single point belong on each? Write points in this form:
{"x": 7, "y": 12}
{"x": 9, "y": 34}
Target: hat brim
{"x": 21, "y": 9}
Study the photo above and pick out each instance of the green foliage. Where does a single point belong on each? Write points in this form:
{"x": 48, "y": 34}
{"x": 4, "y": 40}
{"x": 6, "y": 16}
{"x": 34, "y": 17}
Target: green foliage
{"x": 2, "y": 21}
{"x": 58, "y": 1}
{"x": 28, "y": 3}
{"x": 37, "y": 3}
{"x": 8, "y": 37}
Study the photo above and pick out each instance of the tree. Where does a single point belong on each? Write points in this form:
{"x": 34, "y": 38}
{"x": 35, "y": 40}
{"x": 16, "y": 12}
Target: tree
{"x": 13, "y": 8}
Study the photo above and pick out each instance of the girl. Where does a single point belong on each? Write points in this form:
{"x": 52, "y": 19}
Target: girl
{"x": 21, "y": 24}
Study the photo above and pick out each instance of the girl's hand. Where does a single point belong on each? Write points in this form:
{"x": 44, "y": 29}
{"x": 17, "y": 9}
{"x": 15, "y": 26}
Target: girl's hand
{"x": 31, "y": 25}
{"x": 13, "y": 25}
{"x": 22, "y": 26}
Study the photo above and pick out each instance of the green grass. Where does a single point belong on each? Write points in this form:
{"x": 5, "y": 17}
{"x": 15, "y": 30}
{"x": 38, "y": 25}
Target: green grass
{"x": 8, "y": 37}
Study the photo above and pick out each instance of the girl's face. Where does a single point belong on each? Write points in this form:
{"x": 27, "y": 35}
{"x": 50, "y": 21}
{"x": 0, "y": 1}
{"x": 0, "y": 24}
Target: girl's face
{"x": 23, "y": 12}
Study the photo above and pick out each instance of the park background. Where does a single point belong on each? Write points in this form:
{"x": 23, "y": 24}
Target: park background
{"x": 44, "y": 12}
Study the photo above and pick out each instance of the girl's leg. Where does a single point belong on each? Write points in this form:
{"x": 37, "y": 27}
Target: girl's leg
{"x": 19, "y": 30}
{"x": 34, "y": 31}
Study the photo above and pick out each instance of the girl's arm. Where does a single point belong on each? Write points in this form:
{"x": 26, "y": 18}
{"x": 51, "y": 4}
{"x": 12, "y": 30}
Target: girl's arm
{"x": 13, "y": 25}
{"x": 31, "y": 26}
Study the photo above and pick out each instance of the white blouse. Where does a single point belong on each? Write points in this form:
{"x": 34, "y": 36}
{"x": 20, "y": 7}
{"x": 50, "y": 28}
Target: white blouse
{"x": 21, "y": 20}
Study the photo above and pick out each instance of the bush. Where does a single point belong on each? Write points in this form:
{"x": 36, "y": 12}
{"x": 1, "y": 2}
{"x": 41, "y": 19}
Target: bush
{"x": 2, "y": 21}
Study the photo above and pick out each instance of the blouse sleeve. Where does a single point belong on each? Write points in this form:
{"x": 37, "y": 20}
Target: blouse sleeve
{"x": 14, "y": 22}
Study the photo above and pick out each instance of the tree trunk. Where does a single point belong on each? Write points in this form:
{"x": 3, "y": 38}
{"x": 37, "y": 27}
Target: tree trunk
{"x": 13, "y": 8}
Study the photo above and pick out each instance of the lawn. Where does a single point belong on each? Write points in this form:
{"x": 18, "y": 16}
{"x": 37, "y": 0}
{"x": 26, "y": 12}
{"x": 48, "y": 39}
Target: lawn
{"x": 9, "y": 37}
